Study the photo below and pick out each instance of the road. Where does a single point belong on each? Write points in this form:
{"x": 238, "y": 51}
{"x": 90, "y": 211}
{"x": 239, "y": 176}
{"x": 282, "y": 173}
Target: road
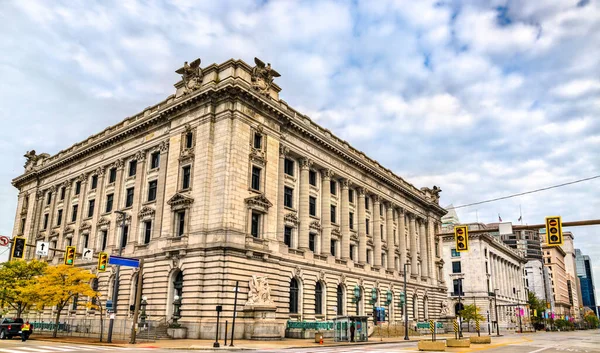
{"x": 544, "y": 342}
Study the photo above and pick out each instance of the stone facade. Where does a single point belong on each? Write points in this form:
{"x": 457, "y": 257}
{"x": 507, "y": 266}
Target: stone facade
{"x": 222, "y": 181}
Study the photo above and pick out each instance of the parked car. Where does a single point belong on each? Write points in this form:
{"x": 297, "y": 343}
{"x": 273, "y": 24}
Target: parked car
{"x": 10, "y": 327}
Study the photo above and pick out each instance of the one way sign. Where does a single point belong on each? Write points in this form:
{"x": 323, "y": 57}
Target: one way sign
{"x": 41, "y": 248}
{"x": 88, "y": 254}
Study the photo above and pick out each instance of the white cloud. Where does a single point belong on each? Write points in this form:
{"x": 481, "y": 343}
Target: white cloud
{"x": 576, "y": 88}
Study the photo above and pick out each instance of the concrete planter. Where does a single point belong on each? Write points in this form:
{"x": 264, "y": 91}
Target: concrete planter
{"x": 463, "y": 343}
{"x": 480, "y": 340}
{"x": 177, "y": 333}
{"x": 431, "y": 346}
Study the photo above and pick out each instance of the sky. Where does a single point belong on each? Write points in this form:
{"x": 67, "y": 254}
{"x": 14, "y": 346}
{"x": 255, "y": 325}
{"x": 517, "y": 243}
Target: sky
{"x": 482, "y": 98}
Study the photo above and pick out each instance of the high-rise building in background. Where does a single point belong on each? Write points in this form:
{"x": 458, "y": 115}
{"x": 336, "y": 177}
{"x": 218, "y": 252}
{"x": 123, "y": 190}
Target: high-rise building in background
{"x": 572, "y": 279}
{"x": 586, "y": 279}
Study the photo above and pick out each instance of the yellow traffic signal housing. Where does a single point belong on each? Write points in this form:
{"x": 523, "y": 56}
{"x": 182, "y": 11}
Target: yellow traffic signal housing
{"x": 102, "y": 261}
{"x": 70, "y": 256}
{"x": 554, "y": 235}
{"x": 461, "y": 236}
{"x": 18, "y": 249}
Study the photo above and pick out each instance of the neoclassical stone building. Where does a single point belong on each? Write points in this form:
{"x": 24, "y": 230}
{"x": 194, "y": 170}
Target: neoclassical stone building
{"x": 223, "y": 180}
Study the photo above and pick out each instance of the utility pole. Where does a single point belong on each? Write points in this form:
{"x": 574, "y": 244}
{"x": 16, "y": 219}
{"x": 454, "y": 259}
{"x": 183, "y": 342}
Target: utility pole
{"x": 116, "y": 280}
{"x": 459, "y": 308}
{"x": 138, "y": 300}
{"x": 496, "y": 309}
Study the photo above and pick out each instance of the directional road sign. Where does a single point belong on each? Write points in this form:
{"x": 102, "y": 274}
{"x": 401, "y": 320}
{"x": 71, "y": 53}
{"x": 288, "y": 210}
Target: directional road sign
{"x": 88, "y": 254}
{"x": 4, "y": 240}
{"x": 123, "y": 261}
{"x": 41, "y": 248}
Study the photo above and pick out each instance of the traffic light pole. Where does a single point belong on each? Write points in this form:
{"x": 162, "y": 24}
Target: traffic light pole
{"x": 138, "y": 300}
{"x": 116, "y": 281}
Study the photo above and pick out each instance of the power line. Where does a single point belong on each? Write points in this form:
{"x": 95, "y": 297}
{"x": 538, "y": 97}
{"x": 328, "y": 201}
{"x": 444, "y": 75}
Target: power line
{"x": 527, "y": 192}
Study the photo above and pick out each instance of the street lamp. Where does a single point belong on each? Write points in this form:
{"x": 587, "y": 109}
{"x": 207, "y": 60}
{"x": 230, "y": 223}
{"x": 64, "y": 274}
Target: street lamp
{"x": 176, "y": 312}
{"x": 519, "y": 308}
{"x": 116, "y": 280}
{"x": 496, "y": 310}
{"x": 459, "y": 308}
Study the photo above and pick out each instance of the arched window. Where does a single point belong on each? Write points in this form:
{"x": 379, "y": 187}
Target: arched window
{"x": 134, "y": 284}
{"x": 426, "y": 308}
{"x": 318, "y": 298}
{"x": 415, "y": 308}
{"x": 294, "y": 296}
{"x": 340, "y": 299}
{"x": 178, "y": 285}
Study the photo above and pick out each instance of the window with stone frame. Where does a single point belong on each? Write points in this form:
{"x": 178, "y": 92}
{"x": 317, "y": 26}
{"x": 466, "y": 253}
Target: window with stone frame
{"x": 333, "y": 187}
{"x": 84, "y": 241}
{"x": 288, "y": 167}
{"x": 257, "y": 141}
{"x": 255, "y": 224}
{"x": 112, "y": 175}
{"x": 294, "y": 296}
{"x": 94, "y": 183}
{"x": 351, "y": 220}
{"x": 77, "y": 187}
{"x": 62, "y": 192}
{"x": 129, "y": 197}
{"x": 48, "y": 198}
{"x": 180, "y": 223}
{"x": 59, "y": 217}
{"x": 45, "y": 221}
{"x": 366, "y": 202}
{"x": 155, "y": 160}
{"x": 74, "y": 213}
{"x": 186, "y": 177}
{"x": 381, "y": 232}
{"x": 456, "y": 268}
{"x": 350, "y": 196}
{"x": 367, "y": 225}
{"x": 91, "y": 206}
{"x": 287, "y": 236}
{"x": 132, "y": 167}
{"x": 189, "y": 139}
{"x": 103, "y": 239}
{"x": 318, "y": 298}
{"x": 312, "y": 177}
{"x": 312, "y": 206}
{"x": 125, "y": 234}
{"x": 255, "y": 179}
{"x": 22, "y": 226}
{"x": 333, "y": 247}
{"x": 147, "y": 231}
{"x": 312, "y": 240}
{"x": 454, "y": 252}
{"x": 352, "y": 252}
{"x": 288, "y": 197}
{"x": 109, "y": 202}
{"x": 152, "y": 186}
{"x": 333, "y": 214}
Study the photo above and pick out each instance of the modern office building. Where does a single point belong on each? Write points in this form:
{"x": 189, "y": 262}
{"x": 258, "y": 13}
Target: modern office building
{"x": 586, "y": 279}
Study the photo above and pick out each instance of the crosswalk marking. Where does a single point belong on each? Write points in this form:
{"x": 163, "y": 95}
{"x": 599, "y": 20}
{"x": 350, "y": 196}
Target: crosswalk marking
{"x": 31, "y": 349}
{"x": 57, "y": 349}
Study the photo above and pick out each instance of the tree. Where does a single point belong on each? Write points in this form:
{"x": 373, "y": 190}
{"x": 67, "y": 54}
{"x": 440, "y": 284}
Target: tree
{"x": 591, "y": 319}
{"x": 538, "y": 305}
{"x": 470, "y": 313}
{"x": 17, "y": 283}
{"x": 60, "y": 284}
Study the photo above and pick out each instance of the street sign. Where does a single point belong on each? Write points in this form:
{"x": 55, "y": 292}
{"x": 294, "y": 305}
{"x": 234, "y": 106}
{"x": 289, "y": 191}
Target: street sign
{"x": 109, "y": 304}
{"x": 88, "y": 254}
{"x": 41, "y": 248}
{"x": 505, "y": 228}
{"x": 4, "y": 240}
{"x": 123, "y": 261}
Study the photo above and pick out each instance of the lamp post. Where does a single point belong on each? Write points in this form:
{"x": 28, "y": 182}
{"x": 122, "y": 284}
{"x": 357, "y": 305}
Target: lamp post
{"x": 519, "y": 308}
{"x": 176, "y": 311}
{"x": 459, "y": 308}
{"x": 496, "y": 310}
{"x": 116, "y": 280}
{"x": 405, "y": 306}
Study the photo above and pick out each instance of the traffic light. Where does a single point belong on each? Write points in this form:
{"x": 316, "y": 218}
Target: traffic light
{"x": 461, "y": 236}
{"x": 70, "y": 256}
{"x": 18, "y": 250}
{"x": 102, "y": 261}
{"x": 554, "y": 236}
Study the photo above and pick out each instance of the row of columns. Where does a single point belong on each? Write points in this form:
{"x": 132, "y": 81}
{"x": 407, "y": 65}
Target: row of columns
{"x": 506, "y": 276}
{"x": 421, "y": 232}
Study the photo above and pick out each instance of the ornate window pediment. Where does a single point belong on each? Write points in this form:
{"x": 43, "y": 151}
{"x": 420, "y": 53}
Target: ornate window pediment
{"x": 68, "y": 229}
{"x": 336, "y": 231}
{"x": 146, "y": 211}
{"x": 103, "y": 221}
{"x": 54, "y": 234}
{"x": 259, "y": 203}
{"x": 315, "y": 225}
{"x": 180, "y": 201}
{"x": 292, "y": 218}
{"x": 257, "y": 156}
{"x": 85, "y": 225}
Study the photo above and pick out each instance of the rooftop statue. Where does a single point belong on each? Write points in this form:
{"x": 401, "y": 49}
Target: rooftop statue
{"x": 262, "y": 76}
{"x": 191, "y": 75}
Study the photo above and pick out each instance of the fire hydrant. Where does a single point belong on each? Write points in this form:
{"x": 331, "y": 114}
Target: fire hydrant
{"x": 321, "y": 340}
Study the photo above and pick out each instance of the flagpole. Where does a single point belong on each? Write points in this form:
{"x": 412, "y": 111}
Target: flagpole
{"x": 520, "y": 214}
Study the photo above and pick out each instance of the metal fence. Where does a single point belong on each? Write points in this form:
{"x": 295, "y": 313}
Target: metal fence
{"x": 95, "y": 328}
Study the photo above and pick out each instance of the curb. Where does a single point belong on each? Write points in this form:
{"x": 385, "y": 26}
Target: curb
{"x": 58, "y": 340}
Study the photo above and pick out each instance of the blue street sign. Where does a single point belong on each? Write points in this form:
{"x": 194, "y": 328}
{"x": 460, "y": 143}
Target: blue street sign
{"x": 123, "y": 261}
{"x": 109, "y": 304}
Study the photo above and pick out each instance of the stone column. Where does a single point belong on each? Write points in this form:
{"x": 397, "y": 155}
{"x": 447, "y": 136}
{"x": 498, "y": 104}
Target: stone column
{"x": 414, "y": 268}
{"x": 118, "y": 204}
{"x": 402, "y": 237}
{"x": 160, "y": 189}
{"x": 98, "y": 209}
{"x": 280, "y": 193}
{"x": 67, "y": 207}
{"x": 345, "y": 219}
{"x": 424, "y": 254}
{"x": 138, "y": 196}
{"x": 362, "y": 227}
{"x": 376, "y": 231}
{"x": 326, "y": 175}
{"x": 305, "y": 165}
{"x": 51, "y": 216}
{"x": 431, "y": 250}
{"x": 391, "y": 246}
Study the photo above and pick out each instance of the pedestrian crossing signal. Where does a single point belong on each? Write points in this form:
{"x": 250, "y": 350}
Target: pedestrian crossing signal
{"x": 554, "y": 236}
{"x": 461, "y": 236}
{"x": 102, "y": 261}
{"x": 18, "y": 250}
{"x": 70, "y": 256}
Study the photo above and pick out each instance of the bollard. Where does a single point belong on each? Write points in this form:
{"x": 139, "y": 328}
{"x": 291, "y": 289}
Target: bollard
{"x": 226, "y": 323}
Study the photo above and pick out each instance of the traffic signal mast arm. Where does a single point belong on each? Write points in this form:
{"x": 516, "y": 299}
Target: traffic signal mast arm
{"x": 590, "y": 222}
{"x": 62, "y": 250}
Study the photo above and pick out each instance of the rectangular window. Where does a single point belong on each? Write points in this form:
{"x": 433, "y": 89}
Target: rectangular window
{"x": 255, "y": 227}
{"x": 381, "y": 232}
{"x": 457, "y": 287}
{"x": 312, "y": 206}
{"x": 366, "y": 203}
{"x": 455, "y": 253}
{"x": 256, "y": 178}
{"x": 351, "y": 219}
{"x": 311, "y": 242}
{"x": 287, "y": 236}
{"x": 22, "y": 226}
{"x": 78, "y": 188}
{"x": 59, "y": 217}
{"x": 381, "y": 209}
{"x": 189, "y": 140}
{"x": 312, "y": 177}
{"x": 333, "y": 187}
{"x": 104, "y": 239}
{"x": 288, "y": 167}
{"x": 94, "y": 182}
{"x": 69, "y": 242}
{"x": 185, "y": 181}
{"x": 48, "y": 198}
{"x": 350, "y": 195}
{"x": 124, "y": 237}
{"x": 152, "y": 190}
{"x": 332, "y": 248}
{"x": 352, "y": 247}
{"x": 333, "y": 214}
{"x": 370, "y": 257}
{"x": 367, "y": 224}
{"x": 84, "y": 240}
{"x": 91, "y": 205}
{"x": 62, "y": 193}
{"x": 132, "y": 167}
{"x": 456, "y": 267}
{"x": 109, "y": 202}
{"x": 45, "y": 221}
{"x": 288, "y": 197}
{"x": 154, "y": 160}
{"x": 257, "y": 141}
{"x": 112, "y": 175}
{"x": 74, "y": 213}
{"x": 147, "y": 231}
{"x": 129, "y": 197}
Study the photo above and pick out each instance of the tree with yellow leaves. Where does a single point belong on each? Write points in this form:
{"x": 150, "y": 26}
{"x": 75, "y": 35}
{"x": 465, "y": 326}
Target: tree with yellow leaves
{"x": 17, "y": 284}
{"x": 60, "y": 284}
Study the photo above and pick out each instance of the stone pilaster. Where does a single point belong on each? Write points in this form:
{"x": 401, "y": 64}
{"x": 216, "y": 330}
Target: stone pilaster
{"x": 283, "y": 151}
{"x": 345, "y": 219}
{"x": 376, "y": 231}
{"x": 138, "y": 197}
{"x": 100, "y": 198}
{"x": 118, "y": 204}
{"x": 402, "y": 236}
{"x": 326, "y": 176}
{"x": 412, "y": 235}
{"x": 305, "y": 165}
{"x": 431, "y": 250}
{"x": 362, "y": 227}
{"x": 160, "y": 190}
{"x": 391, "y": 246}
{"x": 51, "y": 216}
{"x": 424, "y": 252}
